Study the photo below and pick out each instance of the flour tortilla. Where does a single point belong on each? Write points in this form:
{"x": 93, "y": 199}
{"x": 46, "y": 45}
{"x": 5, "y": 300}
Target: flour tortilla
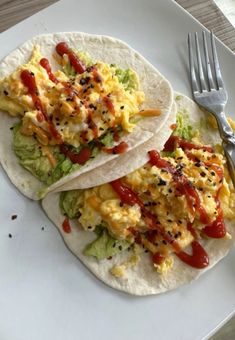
{"x": 142, "y": 279}
{"x": 157, "y": 90}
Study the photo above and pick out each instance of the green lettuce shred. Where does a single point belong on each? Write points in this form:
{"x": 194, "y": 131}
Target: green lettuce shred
{"x": 105, "y": 245}
{"x": 183, "y": 129}
{"x": 128, "y": 78}
{"x": 28, "y": 150}
{"x": 70, "y": 203}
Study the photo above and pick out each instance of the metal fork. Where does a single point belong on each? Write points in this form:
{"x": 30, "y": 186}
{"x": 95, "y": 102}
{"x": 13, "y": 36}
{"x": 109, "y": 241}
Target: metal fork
{"x": 209, "y": 92}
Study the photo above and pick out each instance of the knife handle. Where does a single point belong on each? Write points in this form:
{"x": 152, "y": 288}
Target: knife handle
{"x": 229, "y": 150}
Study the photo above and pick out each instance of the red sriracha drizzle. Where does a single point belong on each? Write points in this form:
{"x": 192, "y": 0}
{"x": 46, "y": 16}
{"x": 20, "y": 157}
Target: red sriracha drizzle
{"x": 217, "y": 228}
{"x": 62, "y": 48}
{"x": 29, "y": 81}
{"x": 120, "y": 148}
{"x": 97, "y": 77}
{"x": 46, "y": 65}
{"x": 80, "y": 158}
{"x": 175, "y": 141}
{"x": 109, "y": 104}
{"x": 66, "y": 226}
{"x": 199, "y": 258}
{"x": 157, "y": 258}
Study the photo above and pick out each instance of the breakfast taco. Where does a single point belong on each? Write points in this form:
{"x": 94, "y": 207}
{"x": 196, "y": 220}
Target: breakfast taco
{"x": 70, "y": 103}
{"x": 161, "y": 225}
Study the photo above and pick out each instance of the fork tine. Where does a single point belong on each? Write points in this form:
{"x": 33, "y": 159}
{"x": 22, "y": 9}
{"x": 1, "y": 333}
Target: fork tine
{"x": 208, "y": 65}
{"x": 218, "y": 75}
{"x": 199, "y": 62}
{"x": 194, "y": 84}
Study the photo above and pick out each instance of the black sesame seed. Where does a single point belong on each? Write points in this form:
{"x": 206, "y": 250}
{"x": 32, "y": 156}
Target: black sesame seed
{"x": 13, "y": 217}
{"x": 82, "y": 81}
{"x": 9, "y": 235}
{"x": 169, "y": 220}
{"x": 164, "y": 242}
{"x": 161, "y": 182}
{"x": 11, "y": 128}
{"x": 203, "y": 174}
{"x": 5, "y": 92}
{"x": 42, "y": 228}
{"x": 122, "y": 107}
{"x": 120, "y": 247}
{"x": 212, "y": 173}
{"x": 180, "y": 222}
{"x": 89, "y": 227}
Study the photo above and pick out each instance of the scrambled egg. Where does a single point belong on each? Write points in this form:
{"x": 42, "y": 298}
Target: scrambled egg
{"x": 157, "y": 189}
{"x": 82, "y": 107}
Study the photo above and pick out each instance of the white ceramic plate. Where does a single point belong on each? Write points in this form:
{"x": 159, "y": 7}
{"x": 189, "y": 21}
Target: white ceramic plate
{"x": 45, "y": 292}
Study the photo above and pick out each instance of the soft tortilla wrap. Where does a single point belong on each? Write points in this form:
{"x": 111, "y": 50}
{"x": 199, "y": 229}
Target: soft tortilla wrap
{"x": 143, "y": 278}
{"x": 157, "y": 90}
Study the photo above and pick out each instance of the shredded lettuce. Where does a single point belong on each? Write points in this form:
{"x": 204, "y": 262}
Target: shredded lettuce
{"x": 70, "y": 203}
{"x": 107, "y": 139}
{"x": 183, "y": 129}
{"x": 168, "y": 154}
{"x": 105, "y": 245}
{"x": 128, "y": 78}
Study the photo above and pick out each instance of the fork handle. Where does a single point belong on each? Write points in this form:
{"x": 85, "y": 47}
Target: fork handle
{"x": 226, "y": 132}
{"x": 229, "y": 150}
{"x": 228, "y": 138}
